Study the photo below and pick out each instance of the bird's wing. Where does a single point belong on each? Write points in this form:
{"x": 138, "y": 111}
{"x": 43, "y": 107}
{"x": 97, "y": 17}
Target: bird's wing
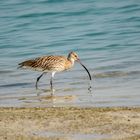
{"x": 55, "y": 63}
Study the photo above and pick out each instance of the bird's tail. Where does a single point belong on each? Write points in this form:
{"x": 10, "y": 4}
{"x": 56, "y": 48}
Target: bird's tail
{"x": 26, "y": 64}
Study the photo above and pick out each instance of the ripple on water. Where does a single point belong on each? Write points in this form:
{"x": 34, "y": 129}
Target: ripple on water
{"x": 104, "y": 34}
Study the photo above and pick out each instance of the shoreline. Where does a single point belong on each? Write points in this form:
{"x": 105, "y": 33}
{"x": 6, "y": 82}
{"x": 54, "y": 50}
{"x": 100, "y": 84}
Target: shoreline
{"x": 70, "y": 123}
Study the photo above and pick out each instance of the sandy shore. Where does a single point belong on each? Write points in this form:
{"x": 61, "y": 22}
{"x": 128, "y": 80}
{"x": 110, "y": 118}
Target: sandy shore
{"x": 69, "y": 123}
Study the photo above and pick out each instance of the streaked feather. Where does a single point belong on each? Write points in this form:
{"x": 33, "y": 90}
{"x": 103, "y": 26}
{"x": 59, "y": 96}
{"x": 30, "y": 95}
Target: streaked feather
{"x": 47, "y": 63}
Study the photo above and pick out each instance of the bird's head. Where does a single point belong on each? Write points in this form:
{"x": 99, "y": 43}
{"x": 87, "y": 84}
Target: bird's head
{"x": 74, "y": 57}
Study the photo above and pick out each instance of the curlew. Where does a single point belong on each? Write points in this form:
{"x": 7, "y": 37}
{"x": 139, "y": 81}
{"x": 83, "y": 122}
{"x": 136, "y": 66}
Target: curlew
{"x": 52, "y": 64}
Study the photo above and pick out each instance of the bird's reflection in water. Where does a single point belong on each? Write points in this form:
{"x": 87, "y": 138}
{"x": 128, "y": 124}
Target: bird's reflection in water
{"x": 52, "y": 97}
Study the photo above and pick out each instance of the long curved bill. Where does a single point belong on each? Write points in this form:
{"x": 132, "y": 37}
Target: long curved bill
{"x": 85, "y": 69}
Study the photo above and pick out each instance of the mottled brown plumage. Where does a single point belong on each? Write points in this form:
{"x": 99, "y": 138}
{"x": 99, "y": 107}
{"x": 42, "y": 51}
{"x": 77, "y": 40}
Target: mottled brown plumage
{"x": 48, "y": 63}
{"x": 51, "y": 64}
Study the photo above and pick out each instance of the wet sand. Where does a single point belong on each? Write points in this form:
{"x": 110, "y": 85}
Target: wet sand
{"x": 67, "y": 123}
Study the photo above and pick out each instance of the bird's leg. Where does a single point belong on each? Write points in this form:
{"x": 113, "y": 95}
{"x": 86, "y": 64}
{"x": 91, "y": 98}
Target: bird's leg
{"x": 51, "y": 81}
{"x": 38, "y": 78}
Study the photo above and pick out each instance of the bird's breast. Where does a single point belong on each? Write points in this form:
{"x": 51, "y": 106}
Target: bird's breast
{"x": 68, "y": 65}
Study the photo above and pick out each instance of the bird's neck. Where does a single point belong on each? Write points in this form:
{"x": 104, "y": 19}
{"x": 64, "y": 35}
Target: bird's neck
{"x": 71, "y": 60}
{"x": 69, "y": 63}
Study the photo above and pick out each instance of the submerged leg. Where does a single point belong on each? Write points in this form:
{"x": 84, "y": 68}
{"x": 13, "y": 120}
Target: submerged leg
{"x": 38, "y": 78}
{"x": 51, "y": 81}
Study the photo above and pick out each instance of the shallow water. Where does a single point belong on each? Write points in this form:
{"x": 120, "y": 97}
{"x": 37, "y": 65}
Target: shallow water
{"x": 75, "y": 136}
{"x": 105, "y": 34}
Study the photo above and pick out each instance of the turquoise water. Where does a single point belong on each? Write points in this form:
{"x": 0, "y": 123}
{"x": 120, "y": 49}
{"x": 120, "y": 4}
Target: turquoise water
{"x": 105, "y": 34}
